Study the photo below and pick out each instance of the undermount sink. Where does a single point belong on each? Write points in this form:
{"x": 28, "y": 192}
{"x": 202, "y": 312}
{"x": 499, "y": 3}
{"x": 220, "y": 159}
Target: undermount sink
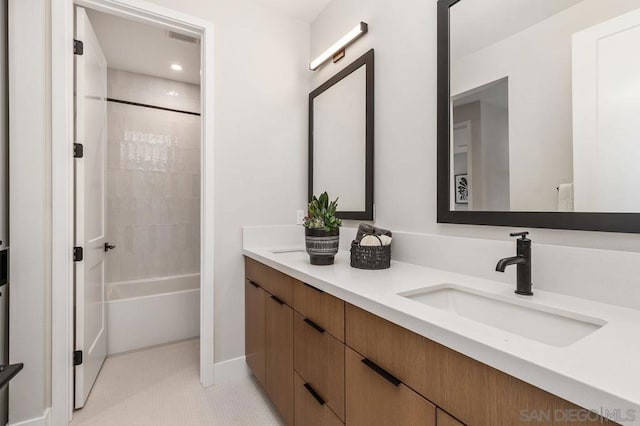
{"x": 533, "y": 321}
{"x": 285, "y": 251}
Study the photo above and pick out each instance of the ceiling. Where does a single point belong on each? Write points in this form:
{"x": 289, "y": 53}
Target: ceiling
{"x": 144, "y": 49}
{"x": 476, "y": 24}
{"x": 306, "y": 10}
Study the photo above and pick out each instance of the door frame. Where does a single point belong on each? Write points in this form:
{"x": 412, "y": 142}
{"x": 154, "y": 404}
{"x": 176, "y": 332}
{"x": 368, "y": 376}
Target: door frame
{"x": 62, "y": 194}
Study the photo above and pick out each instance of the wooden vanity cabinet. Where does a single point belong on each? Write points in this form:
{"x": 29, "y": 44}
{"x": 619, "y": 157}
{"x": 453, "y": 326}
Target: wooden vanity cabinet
{"x": 324, "y": 362}
{"x": 269, "y": 334}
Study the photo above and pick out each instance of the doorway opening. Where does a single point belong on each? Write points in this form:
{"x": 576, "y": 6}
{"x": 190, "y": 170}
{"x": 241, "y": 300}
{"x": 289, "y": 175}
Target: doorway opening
{"x": 480, "y": 144}
{"x": 63, "y": 186}
{"x": 137, "y": 189}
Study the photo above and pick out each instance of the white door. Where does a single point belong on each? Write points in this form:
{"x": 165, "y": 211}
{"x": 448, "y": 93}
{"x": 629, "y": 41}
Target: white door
{"x": 606, "y": 104}
{"x": 91, "y": 112}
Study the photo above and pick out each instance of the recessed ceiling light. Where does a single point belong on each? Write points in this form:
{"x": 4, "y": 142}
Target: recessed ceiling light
{"x": 176, "y": 67}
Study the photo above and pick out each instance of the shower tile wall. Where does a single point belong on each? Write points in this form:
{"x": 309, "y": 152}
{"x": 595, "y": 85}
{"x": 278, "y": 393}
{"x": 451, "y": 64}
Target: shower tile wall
{"x": 132, "y": 87}
{"x": 153, "y": 181}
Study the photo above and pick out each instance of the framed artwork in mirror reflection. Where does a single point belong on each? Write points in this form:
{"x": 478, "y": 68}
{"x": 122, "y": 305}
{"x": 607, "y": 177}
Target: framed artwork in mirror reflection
{"x": 462, "y": 189}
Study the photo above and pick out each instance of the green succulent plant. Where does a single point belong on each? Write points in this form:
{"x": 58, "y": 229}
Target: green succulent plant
{"x": 321, "y": 214}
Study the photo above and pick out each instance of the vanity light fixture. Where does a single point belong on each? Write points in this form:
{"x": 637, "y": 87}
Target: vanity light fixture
{"x": 176, "y": 67}
{"x": 337, "y": 49}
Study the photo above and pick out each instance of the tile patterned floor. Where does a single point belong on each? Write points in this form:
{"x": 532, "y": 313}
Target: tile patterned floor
{"x": 160, "y": 387}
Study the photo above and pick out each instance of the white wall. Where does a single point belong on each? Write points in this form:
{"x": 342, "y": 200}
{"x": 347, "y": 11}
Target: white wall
{"x": 29, "y": 210}
{"x": 262, "y": 86}
{"x": 404, "y": 35}
{"x": 538, "y": 64}
{"x": 495, "y": 156}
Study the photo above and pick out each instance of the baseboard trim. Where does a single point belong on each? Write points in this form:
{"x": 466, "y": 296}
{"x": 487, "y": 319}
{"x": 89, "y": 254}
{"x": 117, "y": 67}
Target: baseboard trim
{"x": 230, "y": 370}
{"x": 44, "y": 420}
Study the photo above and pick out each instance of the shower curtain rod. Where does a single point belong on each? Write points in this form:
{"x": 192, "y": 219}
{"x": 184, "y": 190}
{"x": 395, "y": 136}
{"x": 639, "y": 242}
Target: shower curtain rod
{"x": 119, "y": 101}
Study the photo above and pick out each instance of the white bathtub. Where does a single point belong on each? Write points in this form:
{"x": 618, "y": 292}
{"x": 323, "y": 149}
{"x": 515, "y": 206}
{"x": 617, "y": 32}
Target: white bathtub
{"x": 151, "y": 312}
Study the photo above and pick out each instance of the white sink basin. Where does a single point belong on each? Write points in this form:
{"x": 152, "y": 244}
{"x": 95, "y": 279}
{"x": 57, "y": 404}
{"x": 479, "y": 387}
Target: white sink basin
{"x": 286, "y": 251}
{"x": 521, "y": 317}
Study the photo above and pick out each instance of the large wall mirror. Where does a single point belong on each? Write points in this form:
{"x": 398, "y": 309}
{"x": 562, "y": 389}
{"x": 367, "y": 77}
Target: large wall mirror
{"x": 341, "y": 113}
{"x": 538, "y": 112}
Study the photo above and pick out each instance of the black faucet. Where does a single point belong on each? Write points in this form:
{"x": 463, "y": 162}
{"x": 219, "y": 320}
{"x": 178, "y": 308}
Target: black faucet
{"x": 523, "y": 260}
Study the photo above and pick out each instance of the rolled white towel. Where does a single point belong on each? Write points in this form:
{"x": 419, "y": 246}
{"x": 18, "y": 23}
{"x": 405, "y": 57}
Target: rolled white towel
{"x": 370, "y": 241}
{"x": 386, "y": 240}
{"x": 373, "y": 241}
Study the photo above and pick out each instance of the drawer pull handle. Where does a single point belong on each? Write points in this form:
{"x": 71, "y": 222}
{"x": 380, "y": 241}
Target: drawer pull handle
{"x": 254, "y": 284}
{"x": 277, "y": 300}
{"x": 314, "y": 394}
{"x": 315, "y": 326}
{"x": 313, "y": 288}
{"x": 382, "y": 372}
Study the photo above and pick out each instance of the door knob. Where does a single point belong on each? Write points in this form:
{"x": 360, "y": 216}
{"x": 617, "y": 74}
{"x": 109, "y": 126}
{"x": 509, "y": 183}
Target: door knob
{"x": 108, "y": 247}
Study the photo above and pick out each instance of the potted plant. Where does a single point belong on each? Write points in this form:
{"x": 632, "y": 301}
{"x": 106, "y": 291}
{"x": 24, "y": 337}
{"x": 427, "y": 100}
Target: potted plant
{"x": 322, "y": 233}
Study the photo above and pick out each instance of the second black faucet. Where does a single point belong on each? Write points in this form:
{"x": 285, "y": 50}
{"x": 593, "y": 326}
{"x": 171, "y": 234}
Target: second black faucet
{"x": 523, "y": 262}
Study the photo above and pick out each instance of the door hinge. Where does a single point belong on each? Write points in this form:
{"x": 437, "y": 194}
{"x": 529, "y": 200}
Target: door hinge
{"x": 78, "y": 47}
{"x": 77, "y": 357}
{"x": 4, "y": 267}
{"x": 78, "y": 150}
{"x": 78, "y": 254}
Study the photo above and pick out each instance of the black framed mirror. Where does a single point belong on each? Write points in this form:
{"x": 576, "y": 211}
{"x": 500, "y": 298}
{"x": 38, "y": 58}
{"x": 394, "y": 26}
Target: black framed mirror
{"x": 341, "y": 139}
{"x": 529, "y": 134}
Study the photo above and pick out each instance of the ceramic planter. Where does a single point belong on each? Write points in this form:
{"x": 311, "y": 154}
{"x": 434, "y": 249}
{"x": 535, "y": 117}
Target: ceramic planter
{"x": 322, "y": 246}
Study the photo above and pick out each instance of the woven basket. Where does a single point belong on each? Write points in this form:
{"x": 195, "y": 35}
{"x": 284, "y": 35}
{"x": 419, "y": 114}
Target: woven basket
{"x": 370, "y": 257}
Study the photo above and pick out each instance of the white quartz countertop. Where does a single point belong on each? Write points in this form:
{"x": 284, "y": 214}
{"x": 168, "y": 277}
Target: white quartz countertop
{"x": 600, "y": 372}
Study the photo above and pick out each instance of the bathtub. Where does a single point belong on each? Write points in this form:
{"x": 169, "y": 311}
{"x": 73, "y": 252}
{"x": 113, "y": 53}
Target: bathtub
{"x": 151, "y": 312}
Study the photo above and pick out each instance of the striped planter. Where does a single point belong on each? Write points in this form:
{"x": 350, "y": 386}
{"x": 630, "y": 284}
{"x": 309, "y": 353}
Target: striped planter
{"x": 322, "y": 246}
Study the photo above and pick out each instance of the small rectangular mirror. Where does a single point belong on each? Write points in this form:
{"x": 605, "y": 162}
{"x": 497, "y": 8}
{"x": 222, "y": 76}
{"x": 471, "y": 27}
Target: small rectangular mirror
{"x": 341, "y": 115}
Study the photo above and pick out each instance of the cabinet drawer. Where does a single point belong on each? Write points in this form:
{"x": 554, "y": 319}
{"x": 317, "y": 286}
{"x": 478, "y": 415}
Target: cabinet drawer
{"x": 319, "y": 359}
{"x": 373, "y": 399}
{"x": 274, "y": 282}
{"x": 320, "y": 307}
{"x": 255, "y": 343}
{"x": 279, "y": 356}
{"x": 255, "y": 271}
{"x": 443, "y": 419}
{"x": 406, "y": 355}
{"x": 310, "y": 408}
